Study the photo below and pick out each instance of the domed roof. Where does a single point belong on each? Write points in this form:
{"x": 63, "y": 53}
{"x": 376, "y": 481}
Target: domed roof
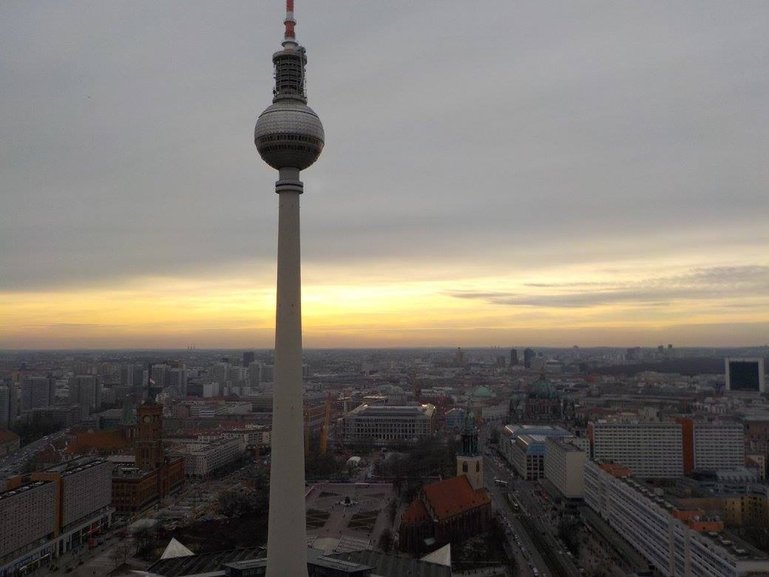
{"x": 543, "y": 389}
{"x": 482, "y": 392}
{"x": 289, "y": 134}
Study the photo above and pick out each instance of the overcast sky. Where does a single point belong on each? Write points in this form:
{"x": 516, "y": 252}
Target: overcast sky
{"x": 494, "y": 173}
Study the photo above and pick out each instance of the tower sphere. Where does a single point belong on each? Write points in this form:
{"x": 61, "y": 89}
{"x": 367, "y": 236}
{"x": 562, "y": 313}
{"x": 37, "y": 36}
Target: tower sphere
{"x": 289, "y": 134}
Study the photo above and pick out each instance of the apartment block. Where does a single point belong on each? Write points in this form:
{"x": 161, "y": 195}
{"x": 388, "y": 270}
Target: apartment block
{"x": 677, "y": 542}
{"x": 650, "y": 449}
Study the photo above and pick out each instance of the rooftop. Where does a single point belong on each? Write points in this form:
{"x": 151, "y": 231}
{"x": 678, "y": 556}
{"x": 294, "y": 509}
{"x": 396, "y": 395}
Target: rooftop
{"x": 453, "y": 496}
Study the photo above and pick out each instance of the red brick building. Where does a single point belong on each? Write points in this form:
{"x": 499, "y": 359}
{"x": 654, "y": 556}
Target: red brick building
{"x": 448, "y": 511}
{"x": 153, "y": 475}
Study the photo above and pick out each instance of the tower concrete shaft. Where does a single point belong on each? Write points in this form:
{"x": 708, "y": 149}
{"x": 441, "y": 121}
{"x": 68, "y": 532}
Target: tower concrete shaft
{"x": 286, "y": 541}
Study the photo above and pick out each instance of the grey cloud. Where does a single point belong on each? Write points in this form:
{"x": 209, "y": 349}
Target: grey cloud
{"x": 726, "y": 283}
{"x": 557, "y": 133}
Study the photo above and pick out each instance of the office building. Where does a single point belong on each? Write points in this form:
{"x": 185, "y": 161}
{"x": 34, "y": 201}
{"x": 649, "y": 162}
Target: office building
{"x": 523, "y": 446}
{"x": 745, "y": 375}
{"x": 37, "y": 392}
{"x": 564, "y": 463}
{"x": 85, "y": 391}
{"x": 203, "y": 458}
{"x": 383, "y": 425}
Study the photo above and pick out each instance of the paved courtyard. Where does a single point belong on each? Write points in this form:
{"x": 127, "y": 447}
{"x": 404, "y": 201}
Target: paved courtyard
{"x": 347, "y": 516}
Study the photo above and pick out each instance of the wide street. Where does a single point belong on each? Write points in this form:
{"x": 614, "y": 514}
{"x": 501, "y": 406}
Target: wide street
{"x": 551, "y": 558}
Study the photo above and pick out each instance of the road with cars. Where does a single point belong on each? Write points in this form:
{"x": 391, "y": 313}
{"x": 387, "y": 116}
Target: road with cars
{"x": 529, "y": 524}
{"x": 14, "y": 463}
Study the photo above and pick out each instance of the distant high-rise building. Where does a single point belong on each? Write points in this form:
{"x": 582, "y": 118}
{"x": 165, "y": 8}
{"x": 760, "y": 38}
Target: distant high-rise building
{"x": 254, "y": 373}
{"x": 528, "y": 357}
{"x": 177, "y": 378}
{"x": 37, "y": 392}
{"x": 132, "y": 375}
{"x": 85, "y": 391}
{"x": 8, "y": 405}
{"x": 513, "y": 357}
{"x": 745, "y": 374}
{"x": 248, "y": 358}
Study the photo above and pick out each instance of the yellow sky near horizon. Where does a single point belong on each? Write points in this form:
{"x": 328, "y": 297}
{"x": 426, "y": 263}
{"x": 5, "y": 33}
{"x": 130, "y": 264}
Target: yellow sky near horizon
{"x": 598, "y": 305}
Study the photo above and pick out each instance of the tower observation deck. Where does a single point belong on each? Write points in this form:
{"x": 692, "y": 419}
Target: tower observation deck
{"x": 289, "y": 137}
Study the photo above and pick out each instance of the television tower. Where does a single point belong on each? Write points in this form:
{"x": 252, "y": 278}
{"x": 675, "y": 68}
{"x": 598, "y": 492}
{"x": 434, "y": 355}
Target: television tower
{"x": 289, "y": 137}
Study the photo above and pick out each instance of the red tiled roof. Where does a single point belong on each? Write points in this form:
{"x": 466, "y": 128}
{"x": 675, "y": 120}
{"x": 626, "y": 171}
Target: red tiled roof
{"x": 416, "y": 513}
{"x": 453, "y": 496}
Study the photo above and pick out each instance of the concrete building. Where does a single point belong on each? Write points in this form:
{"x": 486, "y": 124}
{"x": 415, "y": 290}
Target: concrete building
{"x": 51, "y": 512}
{"x": 9, "y": 408}
{"x": 523, "y": 446}
{"x": 718, "y": 446}
{"x": 671, "y": 449}
{"x": 61, "y": 417}
{"x": 203, "y": 458}
{"x": 37, "y": 392}
{"x": 27, "y": 525}
{"x": 650, "y": 449}
{"x": 564, "y": 464}
{"x": 85, "y": 391}
{"x": 675, "y": 541}
{"x": 383, "y": 425}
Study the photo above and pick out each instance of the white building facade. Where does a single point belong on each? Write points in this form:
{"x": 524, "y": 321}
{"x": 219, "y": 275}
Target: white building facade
{"x": 564, "y": 467}
{"x": 674, "y": 549}
{"x": 650, "y": 449}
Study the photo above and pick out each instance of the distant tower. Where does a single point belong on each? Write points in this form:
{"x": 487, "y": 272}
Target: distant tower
{"x": 469, "y": 459}
{"x": 289, "y": 137}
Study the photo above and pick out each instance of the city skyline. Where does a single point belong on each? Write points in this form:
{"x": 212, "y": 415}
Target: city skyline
{"x": 586, "y": 175}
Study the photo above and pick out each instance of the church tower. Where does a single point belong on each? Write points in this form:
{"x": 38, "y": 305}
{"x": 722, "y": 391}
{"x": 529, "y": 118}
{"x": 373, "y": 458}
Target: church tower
{"x": 469, "y": 459}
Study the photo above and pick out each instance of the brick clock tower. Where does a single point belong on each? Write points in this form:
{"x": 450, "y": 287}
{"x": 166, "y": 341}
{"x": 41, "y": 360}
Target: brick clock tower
{"x": 149, "y": 436}
{"x": 149, "y": 452}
